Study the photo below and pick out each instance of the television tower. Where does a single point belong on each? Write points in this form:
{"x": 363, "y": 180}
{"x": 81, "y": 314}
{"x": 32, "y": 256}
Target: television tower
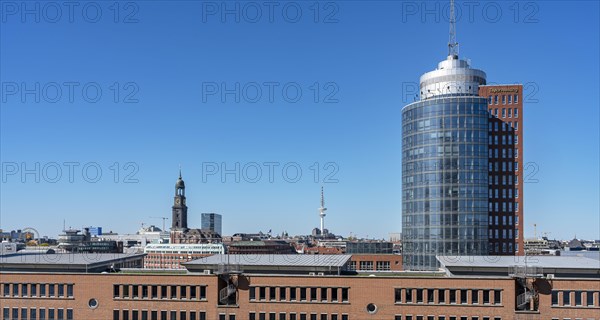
{"x": 322, "y": 210}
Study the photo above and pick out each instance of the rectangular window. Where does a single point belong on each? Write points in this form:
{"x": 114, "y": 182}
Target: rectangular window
{"x": 173, "y": 292}
{"x": 282, "y": 295}
{"x": 51, "y": 287}
{"x": 383, "y": 266}
{"x": 24, "y": 289}
{"x": 419, "y": 295}
{"x": 252, "y": 293}
{"x": 516, "y": 98}
{"x": 498, "y": 296}
{"x": 486, "y": 296}
{"x": 509, "y": 99}
{"x": 24, "y": 314}
{"x": 302, "y": 294}
{"x": 202, "y": 292}
{"x": 116, "y": 291}
{"x": 496, "y": 100}
{"x": 282, "y": 316}
{"x": 366, "y": 265}
{"x": 51, "y": 314}
{"x": 463, "y": 296}
{"x": 503, "y": 112}
{"x": 441, "y": 295}
{"x": 452, "y": 296}
{"x": 193, "y": 292}
{"x": 490, "y": 100}
{"x": 292, "y": 294}
{"x": 272, "y": 293}
{"x": 398, "y": 295}
{"x": 503, "y": 99}
{"x": 262, "y": 293}
{"x": 33, "y": 314}
{"x": 345, "y": 294}
{"x": 509, "y": 112}
{"x": 163, "y": 292}
{"x": 430, "y": 297}
{"x": 15, "y": 287}
{"x": 474, "y": 296}
{"x": 409, "y": 295}
{"x": 323, "y": 294}
{"x": 334, "y": 294}
{"x": 6, "y": 289}
{"x": 42, "y": 314}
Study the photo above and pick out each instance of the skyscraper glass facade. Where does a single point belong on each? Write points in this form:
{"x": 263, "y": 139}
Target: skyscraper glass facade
{"x": 444, "y": 184}
{"x": 211, "y": 221}
{"x": 445, "y": 167}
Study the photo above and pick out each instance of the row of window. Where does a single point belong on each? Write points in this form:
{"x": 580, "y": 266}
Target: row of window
{"x": 504, "y": 127}
{"x": 505, "y": 154}
{"x": 507, "y": 179}
{"x": 35, "y": 290}
{"x": 448, "y": 296}
{"x": 495, "y": 248}
{"x": 295, "y": 316}
{"x": 420, "y": 317}
{"x": 495, "y": 207}
{"x": 368, "y": 266}
{"x": 506, "y": 234}
{"x": 493, "y": 220}
{"x": 506, "y": 193}
{"x": 503, "y": 140}
{"x": 578, "y": 298}
{"x": 173, "y": 292}
{"x": 313, "y": 294}
{"x": 159, "y": 315}
{"x": 504, "y": 98}
{"x": 37, "y": 314}
{"x": 507, "y": 166}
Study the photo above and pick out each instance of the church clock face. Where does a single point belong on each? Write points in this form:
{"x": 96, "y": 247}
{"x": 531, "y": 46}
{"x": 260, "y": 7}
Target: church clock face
{"x": 184, "y": 201}
{"x": 177, "y": 201}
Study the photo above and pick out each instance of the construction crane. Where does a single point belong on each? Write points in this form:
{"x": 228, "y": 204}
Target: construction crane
{"x": 163, "y": 219}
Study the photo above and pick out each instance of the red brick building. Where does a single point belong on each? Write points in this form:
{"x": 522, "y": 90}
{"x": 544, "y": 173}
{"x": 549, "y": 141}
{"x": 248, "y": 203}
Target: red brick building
{"x": 486, "y": 294}
{"x": 505, "y": 225}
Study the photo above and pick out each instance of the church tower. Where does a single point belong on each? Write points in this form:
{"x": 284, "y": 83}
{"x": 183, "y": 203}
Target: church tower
{"x": 179, "y": 221}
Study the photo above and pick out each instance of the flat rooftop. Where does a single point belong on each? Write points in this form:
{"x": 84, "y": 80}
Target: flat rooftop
{"x": 68, "y": 262}
{"x": 560, "y": 266}
{"x": 271, "y": 263}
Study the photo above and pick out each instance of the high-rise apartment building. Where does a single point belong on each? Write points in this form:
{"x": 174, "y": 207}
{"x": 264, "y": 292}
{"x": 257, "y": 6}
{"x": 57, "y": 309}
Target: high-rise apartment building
{"x": 505, "y": 166}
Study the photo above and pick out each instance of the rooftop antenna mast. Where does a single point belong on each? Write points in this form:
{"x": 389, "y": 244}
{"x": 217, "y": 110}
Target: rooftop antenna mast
{"x": 452, "y": 44}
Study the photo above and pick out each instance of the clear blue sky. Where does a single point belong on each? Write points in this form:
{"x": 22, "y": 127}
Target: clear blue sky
{"x": 366, "y": 59}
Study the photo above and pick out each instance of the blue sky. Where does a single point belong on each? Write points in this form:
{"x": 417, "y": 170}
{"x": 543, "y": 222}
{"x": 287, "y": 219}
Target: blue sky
{"x": 171, "y": 62}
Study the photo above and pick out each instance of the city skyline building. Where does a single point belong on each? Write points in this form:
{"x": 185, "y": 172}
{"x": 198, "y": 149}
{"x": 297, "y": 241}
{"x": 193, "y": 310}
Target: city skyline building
{"x": 213, "y": 222}
{"x": 505, "y": 180}
{"x": 445, "y": 164}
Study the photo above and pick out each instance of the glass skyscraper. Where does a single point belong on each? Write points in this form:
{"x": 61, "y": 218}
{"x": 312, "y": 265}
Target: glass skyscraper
{"x": 445, "y": 167}
{"x": 211, "y": 221}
